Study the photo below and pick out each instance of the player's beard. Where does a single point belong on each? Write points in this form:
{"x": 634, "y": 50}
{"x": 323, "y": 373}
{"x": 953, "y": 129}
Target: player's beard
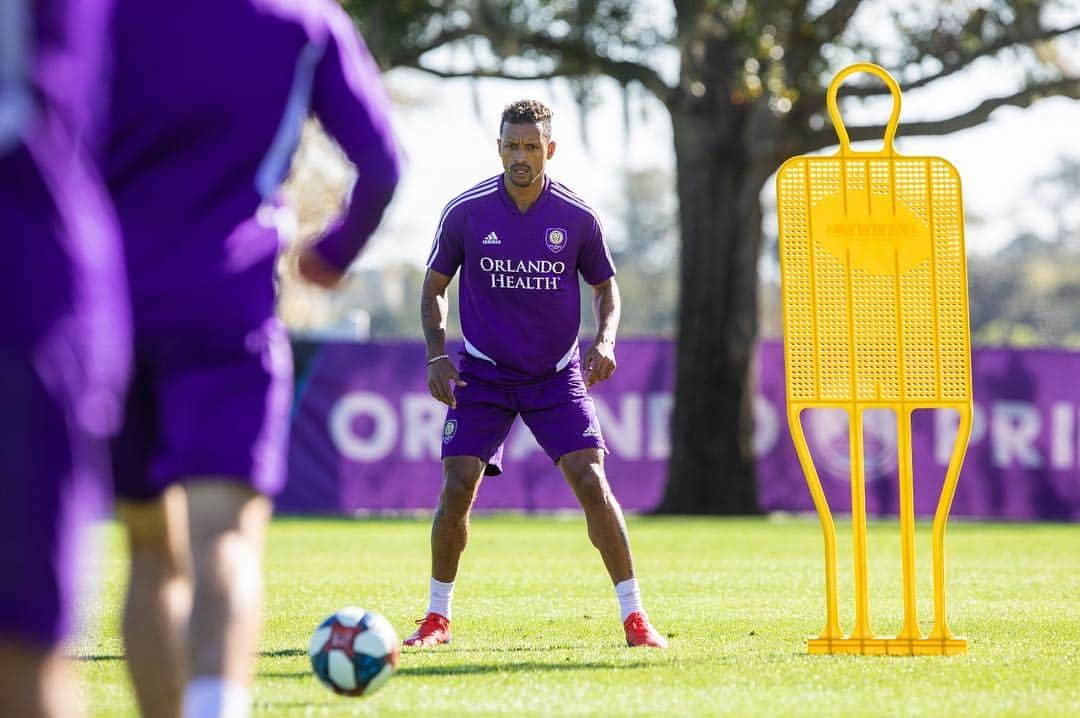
{"x": 522, "y": 179}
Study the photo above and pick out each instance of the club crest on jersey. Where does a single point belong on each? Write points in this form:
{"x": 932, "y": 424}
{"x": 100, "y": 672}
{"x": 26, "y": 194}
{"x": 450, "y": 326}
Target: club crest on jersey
{"x": 555, "y": 239}
{"x": 449, "y": 429}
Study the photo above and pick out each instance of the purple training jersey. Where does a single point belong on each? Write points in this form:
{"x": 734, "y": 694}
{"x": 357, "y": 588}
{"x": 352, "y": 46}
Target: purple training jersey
{"x": 519, "y": 297}
{"x": 60, "y": 247}
{"x": 209, "y": 99}
{"x": 64, "y": 341}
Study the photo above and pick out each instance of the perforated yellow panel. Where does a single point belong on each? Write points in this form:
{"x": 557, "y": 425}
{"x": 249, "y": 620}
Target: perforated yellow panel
{"x": 874, "y": 293}
{"x": 874, "y": 280}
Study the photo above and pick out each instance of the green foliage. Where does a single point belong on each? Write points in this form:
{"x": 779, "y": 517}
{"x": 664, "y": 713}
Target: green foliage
{"x": 536, "y": 625}
{"x": 564, "y": 34}
{"x": 644, "y": 238}
{"x": 1026, "y": 295}
{"x": 732, "y": 52}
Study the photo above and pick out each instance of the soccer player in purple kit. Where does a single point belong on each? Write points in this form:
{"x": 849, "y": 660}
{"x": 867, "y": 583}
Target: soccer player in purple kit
{"x": 208, "y": 103}
{"x": 520, "y": 239}
{"x": 64, "y": 336}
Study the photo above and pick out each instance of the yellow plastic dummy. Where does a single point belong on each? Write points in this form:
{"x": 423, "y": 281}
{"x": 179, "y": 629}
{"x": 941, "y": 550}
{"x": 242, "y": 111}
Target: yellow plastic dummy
{"x": 874, "y": 287}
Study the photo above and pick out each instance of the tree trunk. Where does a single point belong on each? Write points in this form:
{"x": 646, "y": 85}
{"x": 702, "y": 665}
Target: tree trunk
{"x": 711, "y": 470}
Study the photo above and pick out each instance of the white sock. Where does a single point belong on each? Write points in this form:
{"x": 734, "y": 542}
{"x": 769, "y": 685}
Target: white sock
{"x": 439, "y": 600}
{"x": 213, "y": 697}
{"x": 629, "y": 597}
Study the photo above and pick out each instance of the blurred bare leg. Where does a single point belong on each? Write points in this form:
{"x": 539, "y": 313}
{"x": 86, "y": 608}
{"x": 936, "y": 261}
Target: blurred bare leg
{"x": 227, "y": 522}
{"x": 158, "y": 600}
{"x": 36, "y": 682}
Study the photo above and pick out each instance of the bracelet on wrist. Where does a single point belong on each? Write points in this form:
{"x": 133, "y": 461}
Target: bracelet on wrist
{"x": 434, "y": 359}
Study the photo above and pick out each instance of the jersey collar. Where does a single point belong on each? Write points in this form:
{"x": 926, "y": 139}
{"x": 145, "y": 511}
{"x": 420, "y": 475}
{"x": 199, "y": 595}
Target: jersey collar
{"x": 504, "y": 194}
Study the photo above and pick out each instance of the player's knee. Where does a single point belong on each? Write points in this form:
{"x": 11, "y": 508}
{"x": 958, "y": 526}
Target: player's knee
{"x": 228, "y": 524}
{"x": 227, "y": 570}
{"x": 459, "y": 487}
{"x": 589, "y": 483}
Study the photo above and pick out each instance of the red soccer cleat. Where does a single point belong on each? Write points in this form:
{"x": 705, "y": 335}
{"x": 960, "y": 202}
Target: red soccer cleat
{"x": 640, "y": 633}
{"x": 434, "y": 629}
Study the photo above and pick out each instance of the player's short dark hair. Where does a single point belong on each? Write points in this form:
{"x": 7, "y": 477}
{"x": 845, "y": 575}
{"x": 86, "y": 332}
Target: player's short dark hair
{"x": 527, "y": 112}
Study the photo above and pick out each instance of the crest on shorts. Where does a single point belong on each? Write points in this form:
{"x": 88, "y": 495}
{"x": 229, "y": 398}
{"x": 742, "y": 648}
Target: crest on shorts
{"x": 449, "y": 429}
{"x": 555, "y": 238}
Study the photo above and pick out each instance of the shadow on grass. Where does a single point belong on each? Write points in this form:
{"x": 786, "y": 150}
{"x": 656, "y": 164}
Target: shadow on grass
{"x": 286, "y": 675}
{"x": 98, "y": 659}
{"x": 295, "y": 652}
{"x": 479, "y": 669}
{"x": 445, "y": 650}
{"x": 510, "y": 649}
{"x": 514, "y": 667}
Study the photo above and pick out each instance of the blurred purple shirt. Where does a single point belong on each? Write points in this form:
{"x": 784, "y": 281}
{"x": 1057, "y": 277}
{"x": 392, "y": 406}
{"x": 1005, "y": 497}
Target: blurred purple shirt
{"x": 64, "y": 331}
{"x": 62, "y": 265}
{"x": 519, "y": 296}
{"x": 209, "y": 99}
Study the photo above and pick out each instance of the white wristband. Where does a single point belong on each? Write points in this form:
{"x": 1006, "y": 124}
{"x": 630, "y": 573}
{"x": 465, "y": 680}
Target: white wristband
{"x": 434, "y": 359}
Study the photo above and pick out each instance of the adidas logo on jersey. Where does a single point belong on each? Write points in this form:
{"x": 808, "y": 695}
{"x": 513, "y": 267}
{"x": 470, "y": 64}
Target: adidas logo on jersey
{"x": 492, "y": 238}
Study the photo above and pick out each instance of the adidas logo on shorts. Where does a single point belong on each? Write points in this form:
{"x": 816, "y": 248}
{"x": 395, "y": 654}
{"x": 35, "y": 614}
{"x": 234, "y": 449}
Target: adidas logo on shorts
{"x": 592, "y": 430}
{"x": 492, "y": 238}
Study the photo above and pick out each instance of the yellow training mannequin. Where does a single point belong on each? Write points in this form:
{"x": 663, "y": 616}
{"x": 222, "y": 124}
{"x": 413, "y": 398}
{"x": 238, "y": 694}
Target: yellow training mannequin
{"x": 874, "y": 294}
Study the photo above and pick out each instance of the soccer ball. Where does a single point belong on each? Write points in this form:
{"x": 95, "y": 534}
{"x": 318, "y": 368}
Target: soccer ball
{"x": 354, "y": 651}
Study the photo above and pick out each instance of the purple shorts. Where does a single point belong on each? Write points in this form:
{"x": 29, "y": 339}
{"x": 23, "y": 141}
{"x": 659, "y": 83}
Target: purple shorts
{"x": 206, "y": 401}
{"x": 54, "y": 478}
{"x": 558, "y": 411}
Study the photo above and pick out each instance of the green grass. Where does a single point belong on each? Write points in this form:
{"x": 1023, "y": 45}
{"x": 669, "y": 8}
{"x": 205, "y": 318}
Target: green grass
{"x": 536, "y": 625}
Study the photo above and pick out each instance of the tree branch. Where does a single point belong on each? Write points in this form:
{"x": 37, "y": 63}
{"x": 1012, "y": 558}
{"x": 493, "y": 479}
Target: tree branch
{"x": 575, "y": 61}
{"x": 581, "y": 59}
{"x": 1069, "y": 87}
{"x": 487, "y": 74}
{"x": 798, "y": 11}
{"x": 411, "y": 58}
{"x": 835, "y": 20}
{"x": 625, "y": 71}
{"x": 948, "y": 68}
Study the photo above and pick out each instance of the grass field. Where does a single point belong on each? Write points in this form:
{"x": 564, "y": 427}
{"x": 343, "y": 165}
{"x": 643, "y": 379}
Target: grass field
{"x": 536, "y": 625}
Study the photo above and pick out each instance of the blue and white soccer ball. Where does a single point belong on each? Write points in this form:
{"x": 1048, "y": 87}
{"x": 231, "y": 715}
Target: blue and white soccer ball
{"x": 354, "y": 651}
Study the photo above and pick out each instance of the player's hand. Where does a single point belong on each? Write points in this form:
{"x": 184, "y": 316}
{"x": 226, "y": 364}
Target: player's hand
{"x": 316, "y": 270}
{"x": 442, "y": 380}
{"x": 599, "y": 363}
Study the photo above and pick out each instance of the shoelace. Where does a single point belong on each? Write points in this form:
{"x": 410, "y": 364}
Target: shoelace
{"x": 638, "y": 624}
{"x": 429, "y": 622}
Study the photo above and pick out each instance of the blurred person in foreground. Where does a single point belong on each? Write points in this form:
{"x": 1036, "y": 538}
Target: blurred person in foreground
{"x": 520, "y": 239}
{"x": 208, "y": 102}
{"x": 64, "y": 337}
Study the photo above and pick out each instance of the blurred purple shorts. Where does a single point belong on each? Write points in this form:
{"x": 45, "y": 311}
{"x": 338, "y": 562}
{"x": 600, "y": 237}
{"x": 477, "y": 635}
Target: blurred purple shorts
{"x": 53, "y": 483}
{"x": 206, "y": 402}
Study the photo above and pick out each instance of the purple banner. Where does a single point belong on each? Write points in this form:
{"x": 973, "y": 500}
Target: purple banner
{"x": 366, "y": 436}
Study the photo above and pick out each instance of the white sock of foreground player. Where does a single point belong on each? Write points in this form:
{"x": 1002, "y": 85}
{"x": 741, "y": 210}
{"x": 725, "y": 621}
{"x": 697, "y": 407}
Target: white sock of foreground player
{"x": 211, "y": 697}
{"x": 629, "y": 597}
{"x": 440, "y": 597}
